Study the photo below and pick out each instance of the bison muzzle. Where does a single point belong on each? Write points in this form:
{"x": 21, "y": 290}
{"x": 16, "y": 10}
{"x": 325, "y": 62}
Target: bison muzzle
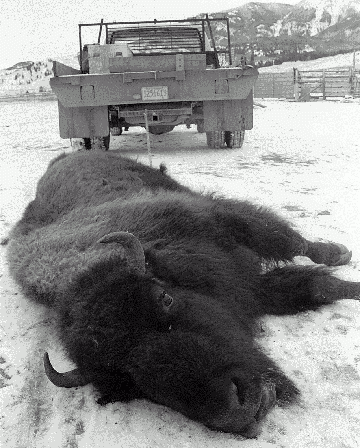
{"x": 158, "y": 290}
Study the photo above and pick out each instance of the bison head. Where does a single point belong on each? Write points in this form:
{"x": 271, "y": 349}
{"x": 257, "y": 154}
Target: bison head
{"x": 132, "y": 338}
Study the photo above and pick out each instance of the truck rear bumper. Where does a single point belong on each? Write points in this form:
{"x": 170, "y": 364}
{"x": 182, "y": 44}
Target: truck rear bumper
{"x": 84, "y": 90}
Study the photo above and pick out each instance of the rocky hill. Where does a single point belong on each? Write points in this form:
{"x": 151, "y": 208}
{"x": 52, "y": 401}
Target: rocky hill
{"x": 26, "y": 77}
{"x": 280, "y": 32}
{"x": 30, "y": 77}
{"x": 311, "y": 17}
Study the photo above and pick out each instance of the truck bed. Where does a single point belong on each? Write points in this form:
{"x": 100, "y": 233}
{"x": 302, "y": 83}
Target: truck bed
{"x": 130, "y": 80}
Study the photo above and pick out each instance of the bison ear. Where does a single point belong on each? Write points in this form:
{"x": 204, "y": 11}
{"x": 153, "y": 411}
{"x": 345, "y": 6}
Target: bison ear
{"x": 131, "y": 247}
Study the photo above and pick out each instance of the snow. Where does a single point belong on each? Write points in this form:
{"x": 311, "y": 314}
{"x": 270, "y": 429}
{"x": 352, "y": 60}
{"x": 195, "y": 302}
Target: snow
{"x": 336, "y": 9}
{"x": 339, "y": 60}
{"x": 301, "y": 159}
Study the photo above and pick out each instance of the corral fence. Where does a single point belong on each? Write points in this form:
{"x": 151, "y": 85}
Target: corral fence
{"x": 304, "y": 85}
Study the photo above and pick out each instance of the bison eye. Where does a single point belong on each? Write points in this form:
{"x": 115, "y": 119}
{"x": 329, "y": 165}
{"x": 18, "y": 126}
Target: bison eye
{"x": 166, "y": 299}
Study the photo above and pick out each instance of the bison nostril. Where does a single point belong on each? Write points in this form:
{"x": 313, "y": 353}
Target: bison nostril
{"x": 239, "y": 389}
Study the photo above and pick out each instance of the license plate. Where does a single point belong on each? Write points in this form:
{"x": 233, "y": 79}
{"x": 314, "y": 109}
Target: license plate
{"x": 154, "y": 93}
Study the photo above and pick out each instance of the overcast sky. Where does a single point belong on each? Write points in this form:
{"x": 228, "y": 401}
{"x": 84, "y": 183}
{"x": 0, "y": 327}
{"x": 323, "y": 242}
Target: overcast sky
{"x": 32, "y": 30}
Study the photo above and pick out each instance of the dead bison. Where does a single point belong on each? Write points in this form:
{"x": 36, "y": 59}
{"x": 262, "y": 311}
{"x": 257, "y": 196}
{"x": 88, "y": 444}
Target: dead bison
{"x": 158, "y": 289}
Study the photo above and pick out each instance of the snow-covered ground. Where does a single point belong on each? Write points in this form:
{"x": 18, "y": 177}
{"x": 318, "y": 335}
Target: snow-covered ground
{"x": 303, "y": 160}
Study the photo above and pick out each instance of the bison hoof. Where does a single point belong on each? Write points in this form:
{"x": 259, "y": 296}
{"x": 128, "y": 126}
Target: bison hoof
{"x": 247, "y": 407}
{"x": 268, "y": 400}
{"x": 331, "y": 254}
{"x": 104, "y": 400}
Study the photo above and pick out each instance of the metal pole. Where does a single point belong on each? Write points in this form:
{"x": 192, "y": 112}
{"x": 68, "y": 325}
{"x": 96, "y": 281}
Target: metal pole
{"x": 148, "y": 137}
{"x": 101, "y": 25}
{"x": 229, "y": 42}
{"x": 212, "y": 41}
{"x": 80, "y": 43}
{"x": 203, "y": 35}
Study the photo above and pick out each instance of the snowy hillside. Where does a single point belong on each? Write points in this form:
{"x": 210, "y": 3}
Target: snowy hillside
{"x": 340, "y": 60}
{"x": 30, "y": 77}
{"x": 25, "y": 77}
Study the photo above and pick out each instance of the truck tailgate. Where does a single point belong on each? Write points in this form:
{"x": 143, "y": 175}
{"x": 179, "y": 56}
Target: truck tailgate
{"x": 135, "y": 87}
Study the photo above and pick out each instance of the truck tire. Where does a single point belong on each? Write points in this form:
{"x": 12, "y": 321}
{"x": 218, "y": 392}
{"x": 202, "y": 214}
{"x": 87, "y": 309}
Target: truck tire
{"x": 97, "y": 143}
{"x": 200, "y": 126}
{"x": 215, "y": 139}
{"x": 222, "y": 139}
{"x": 234, "y": 139}
{"x": 160, "y": 129}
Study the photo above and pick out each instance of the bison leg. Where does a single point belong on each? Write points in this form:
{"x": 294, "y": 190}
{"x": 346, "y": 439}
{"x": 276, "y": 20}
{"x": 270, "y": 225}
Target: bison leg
{"x": 272, "y": 237}
{"x": 292, "y": 289}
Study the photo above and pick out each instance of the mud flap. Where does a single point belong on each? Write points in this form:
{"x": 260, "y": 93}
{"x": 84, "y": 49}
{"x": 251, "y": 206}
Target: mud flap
{"x": 83, "y": 121}
{"x": 228, "y": 115}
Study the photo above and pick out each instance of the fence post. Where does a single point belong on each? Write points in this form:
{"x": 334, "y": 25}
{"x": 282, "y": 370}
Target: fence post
{"x": 296, "y": 84}
{"x": 148, "y": 137}
{"x": 323, "y": 85}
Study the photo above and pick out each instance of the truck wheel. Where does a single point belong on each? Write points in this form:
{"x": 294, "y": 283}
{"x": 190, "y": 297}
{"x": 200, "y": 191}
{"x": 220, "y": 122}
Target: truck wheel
{"x": 215, "y": 139}
{"x": 97, "y": 143}
{"x": 160, "y": 129}
{"x": 200, "y": 126}
{"x": 234, "y": 139}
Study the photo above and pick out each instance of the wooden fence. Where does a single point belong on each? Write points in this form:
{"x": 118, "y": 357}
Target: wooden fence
{"x": 275, "y": 85}
{"x": 303, "y": 85}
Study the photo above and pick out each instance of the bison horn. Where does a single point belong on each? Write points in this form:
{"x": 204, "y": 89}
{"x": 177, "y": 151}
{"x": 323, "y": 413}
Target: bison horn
{"x": 73, "y": 378}
{"x": 134, "y": 251}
